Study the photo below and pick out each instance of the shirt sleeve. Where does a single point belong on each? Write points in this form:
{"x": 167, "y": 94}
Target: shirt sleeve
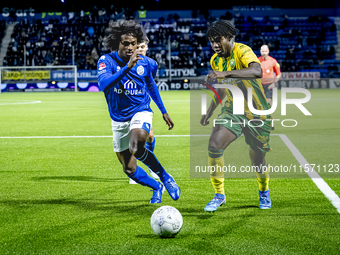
{"x": 152, "y": 89}
{"x": 247, "y": 56}
{"x": 276, "y": 68}
{"x": 107, "y": 77}
{"x": 154, "y": 69}
{"x": 212, "y": 62}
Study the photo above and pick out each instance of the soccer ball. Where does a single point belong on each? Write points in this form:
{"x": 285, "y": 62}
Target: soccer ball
{"x": 166, "y": 221}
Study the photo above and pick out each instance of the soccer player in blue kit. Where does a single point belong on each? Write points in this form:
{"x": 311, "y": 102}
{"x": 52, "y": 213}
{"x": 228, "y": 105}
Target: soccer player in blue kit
{"x": 151, "y": 141}
{"x": 125, "y": 77}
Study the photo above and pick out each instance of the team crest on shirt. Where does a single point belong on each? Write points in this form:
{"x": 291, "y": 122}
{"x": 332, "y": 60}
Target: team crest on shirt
{"x": 118, "y": 68}
{"x": 140, "y": 70}
{"x": 232, "y": 63}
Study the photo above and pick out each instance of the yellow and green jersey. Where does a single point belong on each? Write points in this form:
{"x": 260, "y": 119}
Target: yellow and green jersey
{"x": 240, "y": 58}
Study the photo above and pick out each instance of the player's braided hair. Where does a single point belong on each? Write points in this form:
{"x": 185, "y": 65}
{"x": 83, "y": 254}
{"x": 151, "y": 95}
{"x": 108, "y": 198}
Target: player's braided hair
{"x": 121, "y": 27}
{"x": 221, "y": 28}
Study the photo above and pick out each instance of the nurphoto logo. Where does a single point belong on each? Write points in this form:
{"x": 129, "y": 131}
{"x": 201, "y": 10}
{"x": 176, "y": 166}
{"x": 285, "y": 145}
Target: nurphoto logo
{"x": 238, "y": 102}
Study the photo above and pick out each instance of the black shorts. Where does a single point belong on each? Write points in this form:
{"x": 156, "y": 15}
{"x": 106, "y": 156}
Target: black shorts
{"x": 268, "y": 92}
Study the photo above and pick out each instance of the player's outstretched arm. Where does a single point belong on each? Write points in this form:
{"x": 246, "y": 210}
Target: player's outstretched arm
{"x": 156, "y": 97}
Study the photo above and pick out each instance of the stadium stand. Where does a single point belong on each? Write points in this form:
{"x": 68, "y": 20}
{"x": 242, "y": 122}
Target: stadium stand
{"x": 299, "y": 44}
{"x": 2, "y": 30}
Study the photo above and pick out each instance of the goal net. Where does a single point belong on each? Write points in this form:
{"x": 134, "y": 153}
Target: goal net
{"x": 38, "y": 78}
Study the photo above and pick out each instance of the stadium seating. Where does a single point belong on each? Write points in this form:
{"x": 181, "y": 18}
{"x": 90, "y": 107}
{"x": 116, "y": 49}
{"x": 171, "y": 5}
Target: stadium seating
{"x": 2, "y": 30}
{"x": 299, "y": 44}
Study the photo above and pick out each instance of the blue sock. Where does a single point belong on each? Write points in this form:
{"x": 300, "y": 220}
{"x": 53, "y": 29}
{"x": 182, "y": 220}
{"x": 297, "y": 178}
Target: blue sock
{"x": 141, "y": 177}
{"x": 151, "y": 146}
{"x": 150, "y": 160}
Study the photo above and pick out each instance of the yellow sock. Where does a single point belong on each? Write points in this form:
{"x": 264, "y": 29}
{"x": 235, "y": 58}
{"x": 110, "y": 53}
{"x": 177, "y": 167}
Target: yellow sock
{"x": 263, "y": 180}
{"x": 216, "y": 162}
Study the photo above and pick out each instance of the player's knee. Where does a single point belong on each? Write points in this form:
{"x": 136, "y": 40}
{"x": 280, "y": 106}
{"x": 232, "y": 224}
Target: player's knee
{"x": 221, "y": 138}
{"x": 137, "y": 148}
{"x": 137, "y": 142}
{"x": 128, "y": 162}
{"x": 129, "y": 168}
{"x": 215, "y": 144}
{"x": 257, "y": 157}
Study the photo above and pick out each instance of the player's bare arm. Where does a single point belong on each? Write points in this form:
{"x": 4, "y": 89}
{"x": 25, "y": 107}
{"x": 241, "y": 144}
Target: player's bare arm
{"x": 204, "y": 119}
{"x": 168, "y": 121}
{"x": 253, "y": 71}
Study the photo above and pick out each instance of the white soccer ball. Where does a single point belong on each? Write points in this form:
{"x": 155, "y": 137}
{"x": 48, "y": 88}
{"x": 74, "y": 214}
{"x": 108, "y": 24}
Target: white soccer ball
{"x": 166, "y": 221}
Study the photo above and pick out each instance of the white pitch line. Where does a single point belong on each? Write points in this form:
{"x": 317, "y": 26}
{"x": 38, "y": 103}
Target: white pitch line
{"x": 56, "y": 137}
{"x": 77, "y": 136}
{"x": 14, "y": 102}
{"x": 316, "y": 178}
{"x": 93, "y": 136}
{"x": 81, "y": 136}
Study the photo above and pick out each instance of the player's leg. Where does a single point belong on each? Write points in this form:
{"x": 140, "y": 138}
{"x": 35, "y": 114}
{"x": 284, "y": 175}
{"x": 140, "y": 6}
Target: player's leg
{"x": 150, "y": 145}
{"x": 220, "y": 139}
{"x": 257, "y": 137}
{"x": 262, "y": 175}
{"x": 121, "y": 137}
{"x": 139, "y": 133}
{"x": 151, "y": 141}
{"x": 131, "y": 181}
{"x": 257, "y": 159}
{"x": 138, "y": 174}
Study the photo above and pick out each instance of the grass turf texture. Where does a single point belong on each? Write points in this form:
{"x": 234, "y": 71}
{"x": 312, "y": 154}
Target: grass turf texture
{"x": 70, "y": 196}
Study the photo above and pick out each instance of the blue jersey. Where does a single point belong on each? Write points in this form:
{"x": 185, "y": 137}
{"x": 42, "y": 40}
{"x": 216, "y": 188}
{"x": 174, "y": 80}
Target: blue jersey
{"x": 154, "y": 67}
{"x": 127, "y": 90}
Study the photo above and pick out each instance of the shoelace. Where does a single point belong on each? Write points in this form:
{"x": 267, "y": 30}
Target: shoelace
{"x": 263, "y": 197}
{"x": 215, "y": 199}
{"x": 171, "y": 183}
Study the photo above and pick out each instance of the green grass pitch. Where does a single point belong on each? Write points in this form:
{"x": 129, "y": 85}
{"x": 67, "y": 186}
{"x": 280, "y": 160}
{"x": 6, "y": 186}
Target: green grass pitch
{"x": 63, "y": 193}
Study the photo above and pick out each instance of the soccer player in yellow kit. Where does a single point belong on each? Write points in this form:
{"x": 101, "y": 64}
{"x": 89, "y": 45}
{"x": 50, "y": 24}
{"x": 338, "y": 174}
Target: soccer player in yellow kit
{"x": 237, "y": 61}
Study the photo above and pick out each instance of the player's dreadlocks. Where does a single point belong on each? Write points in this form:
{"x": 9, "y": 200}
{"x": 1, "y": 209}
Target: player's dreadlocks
{"x": 121, "y": 27}
{"x": 221, "y": 28}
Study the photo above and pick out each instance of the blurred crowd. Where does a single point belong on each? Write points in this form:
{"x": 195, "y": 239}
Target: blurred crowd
{"x": 298, "y": 44}
{"x": 2, "y": 29}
